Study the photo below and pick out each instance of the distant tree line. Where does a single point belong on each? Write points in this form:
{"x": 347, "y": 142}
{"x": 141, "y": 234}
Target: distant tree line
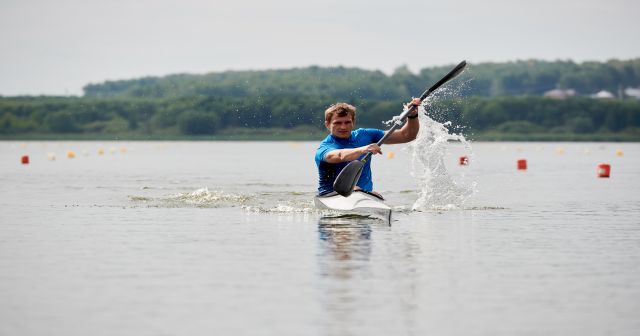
{"x": 208, "y": 115}
{"x": 488, "y": 98}
{"x": 486, "y": 79}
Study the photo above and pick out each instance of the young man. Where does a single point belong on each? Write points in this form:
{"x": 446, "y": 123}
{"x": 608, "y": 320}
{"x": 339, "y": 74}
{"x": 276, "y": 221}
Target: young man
{"x": 344, "y": 145}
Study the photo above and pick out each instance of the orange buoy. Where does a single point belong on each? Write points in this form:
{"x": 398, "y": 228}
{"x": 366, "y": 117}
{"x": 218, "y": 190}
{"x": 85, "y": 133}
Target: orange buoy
{"x": 463, "y": 160}
{"x": 391, "y": 155}
{"x": 522, "y": 164}
{"x": 25, "y": 159}
{"x": 604, "y": 170}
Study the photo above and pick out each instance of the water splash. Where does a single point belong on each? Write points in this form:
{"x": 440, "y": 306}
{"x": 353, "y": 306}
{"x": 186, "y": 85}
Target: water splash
{"x": 438, "y": 189}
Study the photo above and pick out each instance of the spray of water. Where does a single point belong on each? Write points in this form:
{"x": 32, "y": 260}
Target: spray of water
{"x": 438, "y": 190}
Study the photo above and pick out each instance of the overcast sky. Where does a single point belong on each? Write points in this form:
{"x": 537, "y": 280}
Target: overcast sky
{"x": 56, "y": 47}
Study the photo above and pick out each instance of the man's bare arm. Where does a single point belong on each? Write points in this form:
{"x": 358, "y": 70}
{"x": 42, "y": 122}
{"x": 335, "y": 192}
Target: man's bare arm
{"x": 350, "y": 154}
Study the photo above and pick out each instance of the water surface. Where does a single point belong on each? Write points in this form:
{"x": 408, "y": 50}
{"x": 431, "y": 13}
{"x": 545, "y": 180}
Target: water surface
{"x": 202, "y": 238}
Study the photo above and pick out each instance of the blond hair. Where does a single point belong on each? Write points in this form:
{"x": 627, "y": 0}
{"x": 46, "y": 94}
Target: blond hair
{"x": 340, "y": 110}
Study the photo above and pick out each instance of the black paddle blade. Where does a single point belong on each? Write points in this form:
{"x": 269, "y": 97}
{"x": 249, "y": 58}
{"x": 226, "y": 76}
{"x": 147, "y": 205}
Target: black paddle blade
{"x": 348, "y": 177}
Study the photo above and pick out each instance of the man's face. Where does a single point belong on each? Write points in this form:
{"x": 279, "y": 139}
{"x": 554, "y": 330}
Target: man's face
{"x": 340, "y": 127}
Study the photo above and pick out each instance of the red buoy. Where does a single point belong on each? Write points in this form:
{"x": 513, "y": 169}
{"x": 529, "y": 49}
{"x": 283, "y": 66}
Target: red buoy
{"x": 604, "y": 170}
{"x": 463, "y": 161}
{"x": 25, "y": 159}
{"x": 522, "y": 164}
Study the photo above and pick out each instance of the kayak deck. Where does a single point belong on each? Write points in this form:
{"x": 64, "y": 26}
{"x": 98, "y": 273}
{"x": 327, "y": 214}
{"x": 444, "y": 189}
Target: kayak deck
{"x": 359, "y": 202}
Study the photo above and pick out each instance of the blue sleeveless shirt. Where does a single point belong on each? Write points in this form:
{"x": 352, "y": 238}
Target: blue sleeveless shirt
{"x": 327, "y": 172}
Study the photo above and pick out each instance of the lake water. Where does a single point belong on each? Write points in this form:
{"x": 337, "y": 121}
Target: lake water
{"x": 220, "y": 238}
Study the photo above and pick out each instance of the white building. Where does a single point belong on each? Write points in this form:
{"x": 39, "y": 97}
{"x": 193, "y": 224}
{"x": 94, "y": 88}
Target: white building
{"x": 632, "y": 92}
{"x": 603, "y": 94}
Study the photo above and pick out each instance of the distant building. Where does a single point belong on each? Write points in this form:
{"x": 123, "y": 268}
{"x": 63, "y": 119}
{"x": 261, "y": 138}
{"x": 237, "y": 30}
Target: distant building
{"x": 560, "y": 94}
{"x": 602, "y": 95}
{"x": 632, "y": 92}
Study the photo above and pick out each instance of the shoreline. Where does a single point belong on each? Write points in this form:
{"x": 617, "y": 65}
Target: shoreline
{"x": 280, "y": 135}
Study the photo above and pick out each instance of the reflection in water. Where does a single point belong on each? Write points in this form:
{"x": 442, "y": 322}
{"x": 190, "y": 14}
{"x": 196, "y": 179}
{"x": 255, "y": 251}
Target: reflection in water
{"x": 345, "y": 245}
{"x": 367, "y": 272}
{"x": 349, "y": 275}
{"x": 345, "y": 250}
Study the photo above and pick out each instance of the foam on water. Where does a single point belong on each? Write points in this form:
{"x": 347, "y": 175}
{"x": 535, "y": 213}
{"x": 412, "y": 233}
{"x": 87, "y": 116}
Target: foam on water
{"x": 201, "y": 198}
{"x": 261, "y": 202}
{"x": 286, "y": 207}
{"x": 204, "y": 197}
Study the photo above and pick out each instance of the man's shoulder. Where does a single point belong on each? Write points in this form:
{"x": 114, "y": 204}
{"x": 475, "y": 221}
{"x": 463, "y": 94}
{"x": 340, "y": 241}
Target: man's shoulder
{"x": 328, "y": 143}
{"x": 368, "y": 134}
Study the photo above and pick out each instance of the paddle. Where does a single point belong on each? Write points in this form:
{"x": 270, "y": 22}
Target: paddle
{"x": 348, "y": 177}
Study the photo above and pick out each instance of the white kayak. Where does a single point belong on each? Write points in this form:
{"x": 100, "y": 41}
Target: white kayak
{"x": 359, "y": 202}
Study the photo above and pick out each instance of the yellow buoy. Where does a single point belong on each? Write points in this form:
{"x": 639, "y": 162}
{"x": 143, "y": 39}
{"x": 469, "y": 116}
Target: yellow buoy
{"x": 619, "y": 152}
{"x": 51, "y": 156}
{"x": 71, "y": 154}
{"x": 100, "y": 151}
{"x": 560, "y": 150}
